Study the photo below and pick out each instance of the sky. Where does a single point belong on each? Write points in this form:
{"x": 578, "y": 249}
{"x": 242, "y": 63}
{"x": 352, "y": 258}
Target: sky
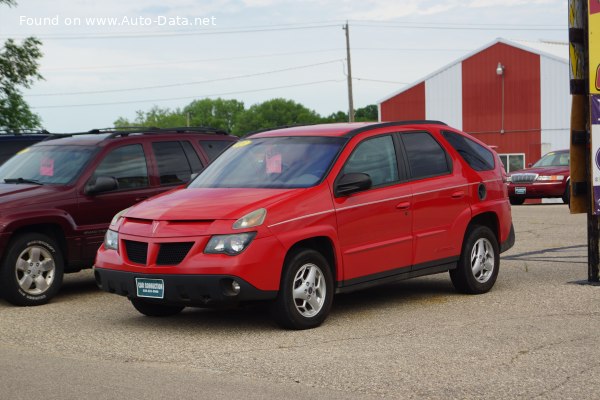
{"x": 107, "y": 59}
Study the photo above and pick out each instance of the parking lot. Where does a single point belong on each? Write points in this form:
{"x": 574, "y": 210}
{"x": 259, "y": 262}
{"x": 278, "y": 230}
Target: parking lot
{"x": 535, "y": 335}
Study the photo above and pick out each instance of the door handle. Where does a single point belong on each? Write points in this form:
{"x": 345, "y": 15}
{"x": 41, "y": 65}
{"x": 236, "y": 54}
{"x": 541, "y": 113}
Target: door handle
{"x": 137, "y": 199}
{"x": 458, "y": 195}
{"x": 405, "y": 205}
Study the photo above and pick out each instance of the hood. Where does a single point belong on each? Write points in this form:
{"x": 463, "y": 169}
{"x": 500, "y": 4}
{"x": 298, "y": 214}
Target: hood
{"x": 208, "y": 204}
{"x": 21, "y": 193}
{"x": 543, "y": 171}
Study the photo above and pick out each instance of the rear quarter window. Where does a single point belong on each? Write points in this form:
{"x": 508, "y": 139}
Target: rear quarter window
{"x": 477, "y": 156}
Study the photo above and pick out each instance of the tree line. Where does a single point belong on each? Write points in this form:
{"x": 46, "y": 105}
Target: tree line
{"x": 232, "y": 116}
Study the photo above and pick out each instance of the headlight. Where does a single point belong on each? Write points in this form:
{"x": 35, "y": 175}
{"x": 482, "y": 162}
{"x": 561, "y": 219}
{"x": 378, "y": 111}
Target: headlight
{"x": 118, "y": 216}
{"x": 229, "y": 244}
{"x": 250, "y": 220}
{"x": 550, "y": 178}
{"x": 509, "y": 178}
{"x": 111, "y": 240}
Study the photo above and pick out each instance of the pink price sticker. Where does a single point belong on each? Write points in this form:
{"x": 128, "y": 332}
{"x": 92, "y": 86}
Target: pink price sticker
{"x": 274, "y": 164}
{"x": 47, "y": 167}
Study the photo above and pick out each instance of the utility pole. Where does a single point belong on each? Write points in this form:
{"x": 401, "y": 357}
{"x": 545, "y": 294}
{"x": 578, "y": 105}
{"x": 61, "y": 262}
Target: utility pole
{"x": 350, "y": 99}
{"x": 188, "y": 119}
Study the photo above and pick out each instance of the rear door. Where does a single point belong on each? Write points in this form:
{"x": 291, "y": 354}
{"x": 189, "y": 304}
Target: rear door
{"x": 440, "y": 199}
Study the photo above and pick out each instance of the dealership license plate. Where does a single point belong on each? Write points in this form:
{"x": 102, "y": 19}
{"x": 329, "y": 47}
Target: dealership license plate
{"x": 520, "y": 190}
{"x": 153, "y": 288}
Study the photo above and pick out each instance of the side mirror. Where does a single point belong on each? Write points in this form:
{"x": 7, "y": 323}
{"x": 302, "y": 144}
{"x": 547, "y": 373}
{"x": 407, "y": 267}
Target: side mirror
{"x": 101, "y": 184}
{"x": 352, "y": 183}
{"x": 529, "y": 165}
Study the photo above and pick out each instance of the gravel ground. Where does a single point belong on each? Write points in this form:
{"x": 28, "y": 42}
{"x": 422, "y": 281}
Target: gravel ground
{"x": 535, "y": 335}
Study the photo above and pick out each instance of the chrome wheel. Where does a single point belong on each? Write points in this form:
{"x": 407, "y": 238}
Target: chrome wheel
{"x": 482, "y": 260}
{"x": 35, "y": 270}
{"x": 309, "y": 290}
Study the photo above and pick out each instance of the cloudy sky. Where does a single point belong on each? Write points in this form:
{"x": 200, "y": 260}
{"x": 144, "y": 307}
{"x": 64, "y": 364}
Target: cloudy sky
{"x": 106, "y": 59}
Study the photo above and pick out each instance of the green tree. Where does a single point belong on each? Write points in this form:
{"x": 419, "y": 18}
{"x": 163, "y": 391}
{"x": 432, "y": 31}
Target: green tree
{"x": 273, "y": 113}
{"x": 216, "y": 113}
{"x": 367, "y": 113}
{"x": 18, "y": 69}
{"x": 156, "y": 117}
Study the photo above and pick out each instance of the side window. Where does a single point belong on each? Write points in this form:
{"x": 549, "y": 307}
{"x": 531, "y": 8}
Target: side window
{"x": 214, "y": 147}
{"x": 173, "y": 165}
{"x": 426, "y": 157}
{"x": 192, "y": 157}
{"x": 477, "y": 156}
{"x": 127, "y": 165}
{"x": 375, "y": 157}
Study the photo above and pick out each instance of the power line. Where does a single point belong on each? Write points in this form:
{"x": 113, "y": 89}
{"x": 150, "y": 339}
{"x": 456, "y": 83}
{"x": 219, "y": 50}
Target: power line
{"x": 259, "y": 56}
{"x": 172, "y": 34}
{"x": 187, "y": 83}
{"x": 380, "y": 81}
{"x": 191, "y": 97}
{"x": 447, "y": 27}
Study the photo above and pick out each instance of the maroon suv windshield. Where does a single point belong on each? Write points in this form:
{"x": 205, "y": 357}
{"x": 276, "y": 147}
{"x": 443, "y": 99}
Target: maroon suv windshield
{"x": 278, "y": 162}
{"x": 46, "y": 164}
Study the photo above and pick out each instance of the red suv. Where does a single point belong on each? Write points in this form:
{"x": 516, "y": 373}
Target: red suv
{"x": 295, "y": 215}
{"x": 58, "y": 197}
{"x": 549, "y": 177}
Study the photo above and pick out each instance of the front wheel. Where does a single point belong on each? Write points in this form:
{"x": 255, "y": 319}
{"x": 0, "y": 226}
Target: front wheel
{"x": 479, "y": 262}
{"x": 517, "y": 201}
{"x": 155, "y": 309}
{"x": 32, "y": 270}
{"x": 566, "y": 197}
{"x": 306, "y": 291}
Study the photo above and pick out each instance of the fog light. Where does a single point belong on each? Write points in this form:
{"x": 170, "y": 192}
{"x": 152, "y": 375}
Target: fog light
{"x": 235, "y": 287}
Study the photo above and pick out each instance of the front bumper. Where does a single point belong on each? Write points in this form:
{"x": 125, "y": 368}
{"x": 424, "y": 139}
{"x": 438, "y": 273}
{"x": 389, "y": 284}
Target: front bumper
{"x": 184, "y": 290}
{"x": 538, "y": 190}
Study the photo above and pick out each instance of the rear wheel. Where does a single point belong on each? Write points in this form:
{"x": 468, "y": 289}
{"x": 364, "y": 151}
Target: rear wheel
{"x": 479, "y": 262}
{"x": 306, "y": 291}
{"x": 32, "y": 270}
{"x": 517, "y": 201}
{"x": 155, "y": 309}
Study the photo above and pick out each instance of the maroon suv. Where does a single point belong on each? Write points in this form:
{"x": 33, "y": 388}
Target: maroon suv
{"x": 58, "y": 197}
{"x": 547, "y": 178}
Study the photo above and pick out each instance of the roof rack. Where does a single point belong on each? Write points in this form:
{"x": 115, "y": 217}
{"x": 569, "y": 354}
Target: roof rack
{"x": 24, "y": 132}
{"x": 153, "y": 131}
{"x": 144, "y": 130}
{"x": 355, "y": 132}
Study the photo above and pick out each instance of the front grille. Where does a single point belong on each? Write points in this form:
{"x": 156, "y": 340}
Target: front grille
{"x": 136, "y": 251}
{"x": 173, "y": 253}
{"x": 524, "y": 178}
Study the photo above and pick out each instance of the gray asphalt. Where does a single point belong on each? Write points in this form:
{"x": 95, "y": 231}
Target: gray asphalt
{"x": 535, "y": 335}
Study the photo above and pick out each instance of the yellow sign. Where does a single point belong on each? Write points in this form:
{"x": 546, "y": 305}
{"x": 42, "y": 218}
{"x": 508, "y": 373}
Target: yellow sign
{"x": 594, "y": 45}
{"x": 242, "y": 143}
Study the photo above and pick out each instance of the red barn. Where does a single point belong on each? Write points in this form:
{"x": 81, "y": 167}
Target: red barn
{"x": 510, "y": 94}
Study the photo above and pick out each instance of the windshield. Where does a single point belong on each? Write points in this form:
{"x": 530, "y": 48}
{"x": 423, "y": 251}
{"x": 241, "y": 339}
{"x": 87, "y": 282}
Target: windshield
{"x": 45, "y": 164}
{"x": 554, "y": 160}
{"x": 278, "y": 162}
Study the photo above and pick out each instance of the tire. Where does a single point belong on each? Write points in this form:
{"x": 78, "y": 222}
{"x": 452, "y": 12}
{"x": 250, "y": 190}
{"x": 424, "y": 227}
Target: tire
{"x": 566, "y": 197}
{"x": 155, "y": 309}
{"x": 298, "y": 309}
{"x": 473, "y": 276}
{"x": 32, "y": 270}
{"x": 517, "y": 201}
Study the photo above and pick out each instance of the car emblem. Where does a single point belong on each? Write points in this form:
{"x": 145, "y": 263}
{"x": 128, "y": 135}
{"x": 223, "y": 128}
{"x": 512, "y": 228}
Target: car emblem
{"x": 155, "y": 225}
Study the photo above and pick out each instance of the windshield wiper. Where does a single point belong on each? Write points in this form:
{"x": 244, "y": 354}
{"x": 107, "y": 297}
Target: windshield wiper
{"x": 22, "y": 180}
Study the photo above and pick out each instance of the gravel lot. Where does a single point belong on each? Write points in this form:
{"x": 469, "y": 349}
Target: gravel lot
{"x": 535, "y": 335}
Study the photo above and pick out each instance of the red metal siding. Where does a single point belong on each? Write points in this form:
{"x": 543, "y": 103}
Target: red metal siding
{"x": 406, "y": 105}
{"x": 482, "y": 100}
